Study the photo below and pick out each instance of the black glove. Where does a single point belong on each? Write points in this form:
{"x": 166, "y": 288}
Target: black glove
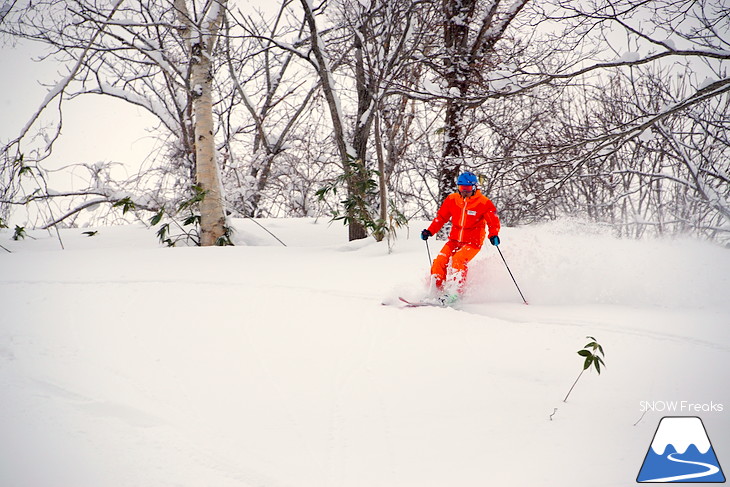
{"x": 494, "y": 240}
{"x": 425, "y": 234}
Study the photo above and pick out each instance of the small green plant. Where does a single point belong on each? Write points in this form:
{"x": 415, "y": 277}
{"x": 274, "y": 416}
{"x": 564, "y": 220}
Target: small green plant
{"x": 126, "y": 204}
{"x": 19, "y": 233}
{"x": 199, "y": 195}
{"x": 226, "y": 239}
{"x": 362, "y": 191}
{"x": 362, "y": 187}
{"x": 593, "y": 355}
{"x": 188, "y": 212}
{"x": 387, "y": 229}
{"x": 22, "y": 169}
{"x": 163, "y": 235}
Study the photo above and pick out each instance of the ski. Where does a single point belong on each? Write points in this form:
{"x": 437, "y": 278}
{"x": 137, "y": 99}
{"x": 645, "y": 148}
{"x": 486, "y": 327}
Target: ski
{"x": 418, "y": 304}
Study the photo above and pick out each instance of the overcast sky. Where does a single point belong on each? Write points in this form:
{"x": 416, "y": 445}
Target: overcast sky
{"x": 94, "y": 128}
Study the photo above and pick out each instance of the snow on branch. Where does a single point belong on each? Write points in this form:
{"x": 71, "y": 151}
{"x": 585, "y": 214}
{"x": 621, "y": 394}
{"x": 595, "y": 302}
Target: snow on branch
{"x": 156, "y": 108}
{"x": 62, "y": 85}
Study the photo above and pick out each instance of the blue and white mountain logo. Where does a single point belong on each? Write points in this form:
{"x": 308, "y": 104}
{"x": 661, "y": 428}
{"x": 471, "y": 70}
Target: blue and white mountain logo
{"x": 681, "y": 452}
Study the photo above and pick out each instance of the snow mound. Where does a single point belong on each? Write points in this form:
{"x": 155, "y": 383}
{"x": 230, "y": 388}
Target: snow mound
{"x": 573, "y": 263}
{"x": 123, "y": 363}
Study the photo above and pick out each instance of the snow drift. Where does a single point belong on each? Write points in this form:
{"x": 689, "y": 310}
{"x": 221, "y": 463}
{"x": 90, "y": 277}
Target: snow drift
{"x": 122, "y": 363}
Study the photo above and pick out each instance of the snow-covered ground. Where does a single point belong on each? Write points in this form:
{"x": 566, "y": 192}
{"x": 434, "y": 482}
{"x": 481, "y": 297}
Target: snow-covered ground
{"x": 123, "y": 364}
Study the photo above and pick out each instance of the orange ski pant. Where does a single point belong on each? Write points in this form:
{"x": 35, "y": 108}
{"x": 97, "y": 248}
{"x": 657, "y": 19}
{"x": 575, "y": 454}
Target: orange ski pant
{"x": 459, "y": 254}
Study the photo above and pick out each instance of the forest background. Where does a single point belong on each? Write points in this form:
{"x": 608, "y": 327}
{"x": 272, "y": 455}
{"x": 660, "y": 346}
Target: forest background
{"x": 614, "y": 111}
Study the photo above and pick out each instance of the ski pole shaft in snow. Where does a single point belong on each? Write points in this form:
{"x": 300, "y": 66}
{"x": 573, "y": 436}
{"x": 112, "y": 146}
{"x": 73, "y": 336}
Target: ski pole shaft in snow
{"x": 510, "y": 274}
{"x": 428, "y": 249}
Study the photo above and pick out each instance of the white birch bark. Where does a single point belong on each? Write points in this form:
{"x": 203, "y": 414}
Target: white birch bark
{"x": 200, "y": 39}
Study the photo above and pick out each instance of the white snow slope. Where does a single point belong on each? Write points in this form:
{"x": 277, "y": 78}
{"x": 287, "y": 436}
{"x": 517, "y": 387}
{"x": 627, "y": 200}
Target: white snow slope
{"x": 123, "y": 364}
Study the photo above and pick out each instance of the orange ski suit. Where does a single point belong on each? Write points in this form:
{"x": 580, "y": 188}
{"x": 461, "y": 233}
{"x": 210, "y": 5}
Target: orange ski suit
{"x": 469, "y": 217}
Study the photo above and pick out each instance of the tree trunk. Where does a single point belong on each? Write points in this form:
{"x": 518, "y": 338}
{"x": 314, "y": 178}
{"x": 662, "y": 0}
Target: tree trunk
{"x": 467, "y": 45}
{"x": 363, "y": 123}
{"x": 212, "y": 215}
{"x": 356, "y": 229}
{"x": 200, "y": 38}
{"x": 457, "y": 76}
{"x": 383, "y": 192}
{"x": 453, "y": 148}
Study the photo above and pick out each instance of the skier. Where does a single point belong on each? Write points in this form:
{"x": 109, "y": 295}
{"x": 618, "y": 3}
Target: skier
{"x": 470, "y": 212}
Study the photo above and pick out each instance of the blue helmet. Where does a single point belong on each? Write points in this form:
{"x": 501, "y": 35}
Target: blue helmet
{"x": 467, "y": 179}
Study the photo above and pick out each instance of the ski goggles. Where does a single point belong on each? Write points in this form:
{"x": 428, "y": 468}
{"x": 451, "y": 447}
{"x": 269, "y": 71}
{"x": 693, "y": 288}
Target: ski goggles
{"x": 466, "y": 187}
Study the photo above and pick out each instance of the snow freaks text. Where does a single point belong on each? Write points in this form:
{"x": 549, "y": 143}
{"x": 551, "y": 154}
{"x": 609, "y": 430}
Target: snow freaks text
{"x": 682, "y": 407}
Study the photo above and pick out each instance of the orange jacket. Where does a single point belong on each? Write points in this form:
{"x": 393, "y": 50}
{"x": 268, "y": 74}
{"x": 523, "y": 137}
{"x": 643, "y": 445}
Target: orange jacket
{"x": 468, "y": 216}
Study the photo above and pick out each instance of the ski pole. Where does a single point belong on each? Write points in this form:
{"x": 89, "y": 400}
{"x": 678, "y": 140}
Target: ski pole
{"x": 510, "y": 274}
{"x": 428, "y": 249}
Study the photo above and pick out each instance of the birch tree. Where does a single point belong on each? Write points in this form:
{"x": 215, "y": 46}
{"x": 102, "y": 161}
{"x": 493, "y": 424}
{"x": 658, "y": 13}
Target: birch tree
{"x": 156, "y": 57}
{"x": 200, "y": 34}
